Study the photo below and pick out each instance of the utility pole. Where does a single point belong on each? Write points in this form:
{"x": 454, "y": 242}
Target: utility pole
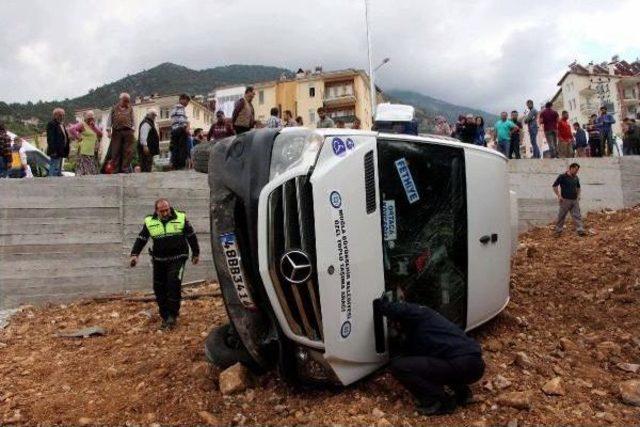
{"x": 371, "y": 70}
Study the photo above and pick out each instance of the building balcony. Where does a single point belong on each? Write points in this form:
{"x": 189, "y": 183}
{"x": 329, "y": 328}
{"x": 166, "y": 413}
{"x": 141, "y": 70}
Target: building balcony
{"x": 339, "y": 101}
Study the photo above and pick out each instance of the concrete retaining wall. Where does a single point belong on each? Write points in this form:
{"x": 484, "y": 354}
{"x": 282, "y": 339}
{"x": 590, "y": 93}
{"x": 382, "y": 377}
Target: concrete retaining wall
{"x": 63, "y": 238}
{"x": 612, "y": 183}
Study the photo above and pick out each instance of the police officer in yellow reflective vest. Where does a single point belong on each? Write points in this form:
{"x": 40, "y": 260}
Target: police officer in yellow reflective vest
{"x": 170, "y": 232}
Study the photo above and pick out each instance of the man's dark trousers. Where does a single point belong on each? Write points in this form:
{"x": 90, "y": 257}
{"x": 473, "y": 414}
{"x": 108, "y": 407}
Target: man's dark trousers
{"x": 179, "y": 148}
{"x": 514, "y": 149}
{"x": 146, "y": 160}
{"x": 167, "y": 286}
{"x": 425, "y": 377}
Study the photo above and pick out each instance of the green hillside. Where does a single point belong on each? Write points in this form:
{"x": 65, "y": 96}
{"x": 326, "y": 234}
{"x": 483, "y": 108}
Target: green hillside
{"x": 166, "y": 78}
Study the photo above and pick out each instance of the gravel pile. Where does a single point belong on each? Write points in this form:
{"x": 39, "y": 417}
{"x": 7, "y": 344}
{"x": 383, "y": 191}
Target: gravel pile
{"x": 566, "y": 351}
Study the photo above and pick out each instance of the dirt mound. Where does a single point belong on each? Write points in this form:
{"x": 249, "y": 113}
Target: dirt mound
{"x": 557, "y": 355}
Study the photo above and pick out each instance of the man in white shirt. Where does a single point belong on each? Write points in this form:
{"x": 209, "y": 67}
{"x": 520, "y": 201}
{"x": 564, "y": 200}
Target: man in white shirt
{"x": 149, "y": 140}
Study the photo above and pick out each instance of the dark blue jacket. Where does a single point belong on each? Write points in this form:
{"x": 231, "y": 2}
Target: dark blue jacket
{"x": 604, "y": 123}
{"x": 427, "y": 332}
{"x": 581, "y": 138}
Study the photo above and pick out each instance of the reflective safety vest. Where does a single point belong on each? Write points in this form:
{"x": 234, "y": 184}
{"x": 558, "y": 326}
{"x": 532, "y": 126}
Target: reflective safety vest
{"x": 158, "y": 230}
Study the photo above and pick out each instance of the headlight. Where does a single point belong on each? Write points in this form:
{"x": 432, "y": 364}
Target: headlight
{"x": 294, "y": 149}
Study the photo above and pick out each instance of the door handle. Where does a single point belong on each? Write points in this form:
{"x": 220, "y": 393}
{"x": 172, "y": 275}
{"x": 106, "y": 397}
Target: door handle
{"x": 485, "y": 239}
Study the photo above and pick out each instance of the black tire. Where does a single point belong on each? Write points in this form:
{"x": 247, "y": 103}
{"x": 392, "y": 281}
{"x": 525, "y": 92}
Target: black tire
{"x": 201, "y": 156}
{"x": 223, "y": 348}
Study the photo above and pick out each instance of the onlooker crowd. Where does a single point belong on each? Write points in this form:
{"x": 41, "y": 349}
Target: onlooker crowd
{"x": 563, "y": 138}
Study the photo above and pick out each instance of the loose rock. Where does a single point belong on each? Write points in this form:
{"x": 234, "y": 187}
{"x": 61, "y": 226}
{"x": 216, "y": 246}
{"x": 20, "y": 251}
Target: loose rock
{"x": 209, "y": 418}
{"x": 500, "y": 382}
{"x": 85, "y": 421}
{"x": 609, "y": 347}
{"x": 515, "y": 399}
{"x": 522, "y": 360}
{"x": 567, "y": 345}
{"x": 630, "y": 392}
{"x": 554, "y": 387}
{"x": 234, "y": 380}
{"x": 377, "y": 413}
{"x": 629, "y": 367}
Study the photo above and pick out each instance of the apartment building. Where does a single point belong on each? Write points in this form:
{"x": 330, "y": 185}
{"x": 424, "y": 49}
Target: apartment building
{"x": 584, "y": 89}
{"x": 344, "y": 94}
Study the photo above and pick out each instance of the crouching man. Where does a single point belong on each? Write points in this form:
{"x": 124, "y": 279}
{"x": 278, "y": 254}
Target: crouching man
{"x": 172, "y": 236}
{"x": 436, "y": 353}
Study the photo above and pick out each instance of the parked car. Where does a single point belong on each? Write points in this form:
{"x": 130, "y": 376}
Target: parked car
{"x": 308, "y": 227}
{"x": 36, "y": 159}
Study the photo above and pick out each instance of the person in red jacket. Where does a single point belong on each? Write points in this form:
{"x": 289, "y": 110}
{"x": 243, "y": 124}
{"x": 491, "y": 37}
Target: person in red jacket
{"x": 565, "y": 137}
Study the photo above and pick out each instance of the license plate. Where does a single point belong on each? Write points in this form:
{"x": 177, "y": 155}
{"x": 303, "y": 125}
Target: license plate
{"x": 232, "y": 256}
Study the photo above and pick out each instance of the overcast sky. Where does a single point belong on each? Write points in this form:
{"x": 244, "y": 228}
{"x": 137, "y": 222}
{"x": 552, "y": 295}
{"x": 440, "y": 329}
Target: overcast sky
{"x": 490, "y": 54}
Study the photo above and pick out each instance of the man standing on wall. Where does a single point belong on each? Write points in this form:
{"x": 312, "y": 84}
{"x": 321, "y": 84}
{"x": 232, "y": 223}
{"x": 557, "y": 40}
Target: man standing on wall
{"x": 531, "y": 120}
{"x": 244, "y": 117}
{"x": 221, "y": 128}
{"x": 122, "y": 139}
{"x": 172, "y": 235}
{"x": 57, "y": 142}
{"x": 605, "y": 122}
{"x": 567, "y": 189}
{"x": 148, "y": 141}
{"x": 516, "y": 136}
{"x": 289, "y": 121}
{"x": 324, "y": 121}
{"x": 273, "y": 121}
{"x": 565, "y": 137}
{"x": 5, "y": 151}
{"x": 549, "y": 121}
{"x": 503, "y": 128}
{"x": 179, "y": 144}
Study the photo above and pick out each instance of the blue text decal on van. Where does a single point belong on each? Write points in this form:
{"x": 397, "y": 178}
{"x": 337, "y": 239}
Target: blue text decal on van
{"x": 407, "y": 180}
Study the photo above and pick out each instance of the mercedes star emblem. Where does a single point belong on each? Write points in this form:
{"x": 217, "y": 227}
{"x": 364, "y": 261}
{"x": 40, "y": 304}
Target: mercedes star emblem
{"x": 296, "y": 266}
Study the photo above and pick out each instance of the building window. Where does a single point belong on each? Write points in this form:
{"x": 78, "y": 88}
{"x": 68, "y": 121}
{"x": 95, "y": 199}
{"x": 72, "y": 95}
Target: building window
{"x": 312, "y": 117}
{"x": 261, "y": 97}
{"x": 196, "y": 113}
{"x": 164, "y": 113}
{"x": 312, "y": 92}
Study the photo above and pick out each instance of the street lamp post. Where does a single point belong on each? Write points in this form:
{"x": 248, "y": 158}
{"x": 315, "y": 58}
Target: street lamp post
{"x": 372, "y": 83}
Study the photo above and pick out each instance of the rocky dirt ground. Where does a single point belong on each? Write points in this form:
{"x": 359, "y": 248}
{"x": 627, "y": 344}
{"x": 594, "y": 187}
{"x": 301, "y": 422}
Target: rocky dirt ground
{"x": 558, "y": 355}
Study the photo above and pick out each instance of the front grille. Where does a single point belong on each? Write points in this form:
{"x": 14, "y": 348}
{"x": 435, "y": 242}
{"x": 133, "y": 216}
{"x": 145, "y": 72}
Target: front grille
{"x": 291, "y": 231}
{"x": 370, "y": 182}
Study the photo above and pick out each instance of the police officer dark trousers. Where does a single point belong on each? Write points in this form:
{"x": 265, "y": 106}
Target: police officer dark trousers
{"x": 172, "y": 235}
{"x": 436, "y": 353}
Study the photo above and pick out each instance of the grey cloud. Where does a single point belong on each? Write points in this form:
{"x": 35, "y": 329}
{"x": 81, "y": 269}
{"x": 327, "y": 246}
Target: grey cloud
{"x": 490, "y": 54}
